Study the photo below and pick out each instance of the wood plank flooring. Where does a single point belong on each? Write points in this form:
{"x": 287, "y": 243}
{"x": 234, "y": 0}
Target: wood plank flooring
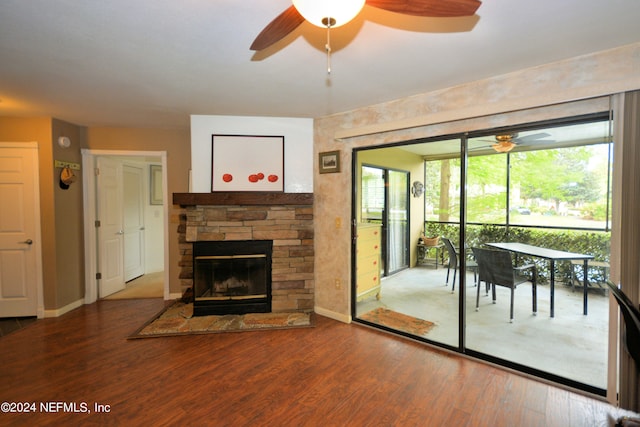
{"x": 331, "y": 375}
{"x": 12, "y": 324}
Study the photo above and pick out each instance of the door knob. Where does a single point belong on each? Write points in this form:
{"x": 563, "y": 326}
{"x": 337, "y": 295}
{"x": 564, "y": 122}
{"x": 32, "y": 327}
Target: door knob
{"x": 27, "y": 242}
{"x": 120, "y": 232}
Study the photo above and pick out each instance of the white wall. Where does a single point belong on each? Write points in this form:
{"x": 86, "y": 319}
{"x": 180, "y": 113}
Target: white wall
{"x": 298, "y": 147}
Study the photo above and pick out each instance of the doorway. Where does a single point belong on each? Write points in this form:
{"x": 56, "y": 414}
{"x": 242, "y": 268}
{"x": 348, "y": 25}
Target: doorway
{"x": 385, "y": 202}
{"x": 126, "y": 226}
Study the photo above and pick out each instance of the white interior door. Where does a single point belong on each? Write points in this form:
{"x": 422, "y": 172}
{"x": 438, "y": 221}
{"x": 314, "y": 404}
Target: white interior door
{"x": 133, "y": 203}
{"x": 19, "y": 231}
{"x": 111, "y": 230}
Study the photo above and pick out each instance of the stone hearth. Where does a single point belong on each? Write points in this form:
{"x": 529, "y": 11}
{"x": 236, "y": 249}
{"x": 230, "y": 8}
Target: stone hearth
{"x": 284, "y": 218}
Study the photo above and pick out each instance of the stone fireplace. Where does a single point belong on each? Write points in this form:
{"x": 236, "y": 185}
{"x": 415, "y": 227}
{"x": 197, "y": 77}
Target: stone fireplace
{"x": 284, "y": 220}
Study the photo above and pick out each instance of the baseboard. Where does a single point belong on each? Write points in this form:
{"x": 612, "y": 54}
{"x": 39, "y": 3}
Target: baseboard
{"x": 62, "y": 310}
{"x": 173, "y": 296}
{"x": 332, "y": 314}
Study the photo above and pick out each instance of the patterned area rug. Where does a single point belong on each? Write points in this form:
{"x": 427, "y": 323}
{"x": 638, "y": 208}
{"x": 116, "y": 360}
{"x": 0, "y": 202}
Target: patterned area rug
{"x": 398, "y": 321}
{"x": 178, "y": 319}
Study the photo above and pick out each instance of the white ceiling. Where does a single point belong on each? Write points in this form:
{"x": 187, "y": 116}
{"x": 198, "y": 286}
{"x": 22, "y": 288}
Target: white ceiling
{"x": 153, "y": 63}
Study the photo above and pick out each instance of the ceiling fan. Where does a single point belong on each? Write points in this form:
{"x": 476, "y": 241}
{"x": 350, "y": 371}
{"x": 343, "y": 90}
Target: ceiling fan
{"x": 334, "y": 13}
{"x": 506, "y": 142}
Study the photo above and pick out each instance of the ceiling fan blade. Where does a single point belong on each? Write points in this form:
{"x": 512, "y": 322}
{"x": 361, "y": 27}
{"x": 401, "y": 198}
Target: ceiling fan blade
{"x": 531, "y": 138}
{"x": 277, "y": 29}
{"x": 431, "y": 8}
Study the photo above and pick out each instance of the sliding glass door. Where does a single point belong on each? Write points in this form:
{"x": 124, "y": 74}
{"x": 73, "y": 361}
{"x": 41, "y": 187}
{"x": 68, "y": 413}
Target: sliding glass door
{"x": 546, "y": 200}
{"x": 413, "y": 295}
{"x": 546, "y": 185}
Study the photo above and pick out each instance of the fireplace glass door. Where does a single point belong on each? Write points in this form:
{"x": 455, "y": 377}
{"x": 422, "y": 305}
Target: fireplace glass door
{"x": 231, "y": 277}
{"x": 231, "y": 283}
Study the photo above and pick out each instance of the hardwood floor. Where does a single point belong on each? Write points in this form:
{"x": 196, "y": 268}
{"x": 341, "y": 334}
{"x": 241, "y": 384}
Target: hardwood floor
{"x": 331, "y": 375}
{"x": 12, "y": 324}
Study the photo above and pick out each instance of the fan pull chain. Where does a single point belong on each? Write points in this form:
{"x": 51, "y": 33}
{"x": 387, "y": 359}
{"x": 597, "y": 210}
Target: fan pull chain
{"x": 328, "y": 49}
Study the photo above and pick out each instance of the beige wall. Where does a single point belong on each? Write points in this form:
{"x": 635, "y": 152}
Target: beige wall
{"x": 60, "y": 210}
{"x": 69, "y": 218}
{"x": 177, "y": 144}
{"x": 521, "y": 97}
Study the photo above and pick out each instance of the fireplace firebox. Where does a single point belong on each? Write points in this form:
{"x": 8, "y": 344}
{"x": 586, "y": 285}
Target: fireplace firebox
{"x": 232, "y": 277}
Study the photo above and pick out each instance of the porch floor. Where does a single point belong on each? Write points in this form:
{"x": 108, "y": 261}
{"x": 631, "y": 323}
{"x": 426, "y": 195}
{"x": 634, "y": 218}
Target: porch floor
{"x": 570, "y": 345}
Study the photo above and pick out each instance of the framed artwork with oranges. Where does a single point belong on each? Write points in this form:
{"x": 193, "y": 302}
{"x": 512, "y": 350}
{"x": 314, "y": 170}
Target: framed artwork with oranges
{"x": 247, "y": 163}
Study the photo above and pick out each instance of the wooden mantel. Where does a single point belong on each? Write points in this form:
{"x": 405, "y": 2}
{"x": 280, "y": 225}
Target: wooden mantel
{"x": 249, "y": 198}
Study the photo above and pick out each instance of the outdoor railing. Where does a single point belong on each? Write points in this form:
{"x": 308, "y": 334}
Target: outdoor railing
{"x": 596, "y": 243}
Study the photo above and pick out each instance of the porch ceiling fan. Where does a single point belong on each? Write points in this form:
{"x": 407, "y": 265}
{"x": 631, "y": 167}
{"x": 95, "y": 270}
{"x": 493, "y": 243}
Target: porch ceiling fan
{"x": 334, "y": 13}
{"x": 506, "y": 142}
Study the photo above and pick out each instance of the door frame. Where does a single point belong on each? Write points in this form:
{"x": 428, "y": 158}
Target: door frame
{"x": 37, "y": 244}
{"x": 89, "y": 205}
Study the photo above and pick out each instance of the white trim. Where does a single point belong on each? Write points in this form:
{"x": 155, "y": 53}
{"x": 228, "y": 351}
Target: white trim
{"x": 62, "y": 310}
{"x": 332, "y": 314}
{"x": 165, "y": 207}
{"x": 38, "y": 247}
{"x": 89, "y": 209}
{"x": 89, "y": 205}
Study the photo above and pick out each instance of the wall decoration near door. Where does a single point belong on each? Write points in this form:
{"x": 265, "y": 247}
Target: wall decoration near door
{"x": 330, "y": 162}
{"x": 247, "y": 163}
{"x": 155, "y": 184}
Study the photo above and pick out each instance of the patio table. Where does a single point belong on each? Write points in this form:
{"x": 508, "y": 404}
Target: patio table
{"x": 552, "y": 255}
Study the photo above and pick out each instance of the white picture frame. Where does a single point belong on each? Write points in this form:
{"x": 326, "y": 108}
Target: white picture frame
{"x": 247, "y": 163}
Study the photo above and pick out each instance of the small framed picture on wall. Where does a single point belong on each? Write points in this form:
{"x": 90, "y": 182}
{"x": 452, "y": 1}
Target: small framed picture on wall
{"x": 155, "y": 184}
{"x": 330, "y": 162}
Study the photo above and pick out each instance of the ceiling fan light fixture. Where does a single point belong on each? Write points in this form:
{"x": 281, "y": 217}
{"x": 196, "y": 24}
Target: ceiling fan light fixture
{"x": 505, "y": 142}
{"x": 329, "y": 13}
{"x": 504, "y": 146}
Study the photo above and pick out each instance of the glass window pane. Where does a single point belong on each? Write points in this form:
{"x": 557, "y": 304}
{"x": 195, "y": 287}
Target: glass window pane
{"x": 372, "y": 200}
{"x": 555, "y": 179}
{"x": 487, "y": 189}
{"x": 397, "y": 221}
{"x": 564, "y": 187}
